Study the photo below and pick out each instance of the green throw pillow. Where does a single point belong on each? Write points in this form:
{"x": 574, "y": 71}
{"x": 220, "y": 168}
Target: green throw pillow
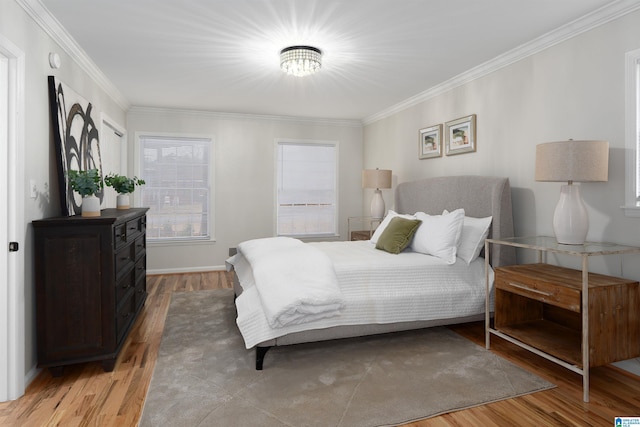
{"x": 397, "y": 235}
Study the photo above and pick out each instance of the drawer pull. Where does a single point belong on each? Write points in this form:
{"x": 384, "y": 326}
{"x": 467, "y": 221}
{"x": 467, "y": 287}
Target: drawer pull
{"x": 528, "y": 289}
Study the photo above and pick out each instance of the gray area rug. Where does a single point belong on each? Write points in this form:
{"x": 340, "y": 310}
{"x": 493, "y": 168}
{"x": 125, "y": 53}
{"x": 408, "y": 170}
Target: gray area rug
{"x": 205, "y": 377}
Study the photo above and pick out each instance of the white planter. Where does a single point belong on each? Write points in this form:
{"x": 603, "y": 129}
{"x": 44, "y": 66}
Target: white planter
{"x": 122, "y": 201}
{"x": 90, "y": 206}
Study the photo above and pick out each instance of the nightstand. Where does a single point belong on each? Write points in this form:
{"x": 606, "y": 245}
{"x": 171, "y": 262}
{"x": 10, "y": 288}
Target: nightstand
{"x": 574, "y": 318}
{"x": 362, "y": 227}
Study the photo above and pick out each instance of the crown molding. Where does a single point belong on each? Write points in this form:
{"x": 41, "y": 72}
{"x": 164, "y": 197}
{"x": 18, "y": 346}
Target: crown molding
{"x": 588, "y": 22}
{"x": 244, "y": 116}
{"x": 41, "y": 15}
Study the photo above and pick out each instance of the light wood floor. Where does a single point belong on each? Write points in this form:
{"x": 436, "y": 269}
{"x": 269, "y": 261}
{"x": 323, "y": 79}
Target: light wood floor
{"x": 87, "y": 396}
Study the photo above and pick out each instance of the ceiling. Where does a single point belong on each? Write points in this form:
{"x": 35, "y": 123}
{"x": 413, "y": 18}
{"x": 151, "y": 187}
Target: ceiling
{"x": 223, "y": 55}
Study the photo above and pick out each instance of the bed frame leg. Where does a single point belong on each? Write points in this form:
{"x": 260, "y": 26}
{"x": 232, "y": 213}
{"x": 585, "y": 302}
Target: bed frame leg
{"x": 260, "y": 352}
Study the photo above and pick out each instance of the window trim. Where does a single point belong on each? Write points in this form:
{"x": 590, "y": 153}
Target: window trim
{"x": 212, "y": 194}
{"x": 300, "y": 141}
{"x": 632, "y": 98}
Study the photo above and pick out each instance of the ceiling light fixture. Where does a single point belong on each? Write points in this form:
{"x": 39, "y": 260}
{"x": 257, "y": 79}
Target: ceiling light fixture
{"x": 300, "y": 60}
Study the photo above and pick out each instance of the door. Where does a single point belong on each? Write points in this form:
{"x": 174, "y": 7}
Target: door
{"x": 12, "y": 227}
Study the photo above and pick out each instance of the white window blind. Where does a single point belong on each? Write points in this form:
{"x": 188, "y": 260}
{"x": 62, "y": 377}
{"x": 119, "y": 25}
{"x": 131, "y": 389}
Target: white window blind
{"x": 177, "y": 172}
{"x": 307, "y": 188}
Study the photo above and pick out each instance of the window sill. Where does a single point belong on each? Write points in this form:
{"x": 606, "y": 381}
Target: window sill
{"x": 631, "y": 211}
{"x": 181, "y": 242}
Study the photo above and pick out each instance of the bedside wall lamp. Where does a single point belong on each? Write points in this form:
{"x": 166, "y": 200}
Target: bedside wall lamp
{"x": 376, "y": 178}
{"x": 580, "y": 161}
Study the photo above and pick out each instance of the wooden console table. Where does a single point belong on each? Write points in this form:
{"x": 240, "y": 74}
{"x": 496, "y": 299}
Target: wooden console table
{"x": 546, "y": 309}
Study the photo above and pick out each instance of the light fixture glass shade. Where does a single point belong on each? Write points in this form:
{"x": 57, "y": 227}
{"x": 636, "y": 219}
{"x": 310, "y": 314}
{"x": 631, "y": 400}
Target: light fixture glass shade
{"x": 300, "y": 60}
{"x": 568, "y": 161}
{"x": 376, "y": 178}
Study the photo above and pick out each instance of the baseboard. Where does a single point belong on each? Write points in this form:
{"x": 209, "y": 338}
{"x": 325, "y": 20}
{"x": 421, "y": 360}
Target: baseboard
{"x": 204, "y": 269}
{"x": 31, "y": 375}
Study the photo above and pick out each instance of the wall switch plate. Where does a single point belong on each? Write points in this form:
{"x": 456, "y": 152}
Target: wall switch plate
{"x": 33, "y": 190}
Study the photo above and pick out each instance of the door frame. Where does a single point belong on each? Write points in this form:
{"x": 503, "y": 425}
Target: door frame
{"x": 12, "y": 295}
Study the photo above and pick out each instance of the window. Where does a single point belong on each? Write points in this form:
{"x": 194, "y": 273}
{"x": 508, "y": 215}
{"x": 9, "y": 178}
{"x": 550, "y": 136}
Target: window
{"x": 632, "y": 133}
{"x": 177, "y": 172}
{"x": 306, "y": 188}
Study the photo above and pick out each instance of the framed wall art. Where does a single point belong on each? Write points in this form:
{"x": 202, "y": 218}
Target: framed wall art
{"x": 460, "y": 135}
{"x": 76, "y": 141}
{"x": 430, "y": 142}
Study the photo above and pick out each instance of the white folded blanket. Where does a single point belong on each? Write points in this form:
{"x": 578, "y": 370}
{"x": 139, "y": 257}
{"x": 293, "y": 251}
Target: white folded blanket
{"x": 296, "y": 282}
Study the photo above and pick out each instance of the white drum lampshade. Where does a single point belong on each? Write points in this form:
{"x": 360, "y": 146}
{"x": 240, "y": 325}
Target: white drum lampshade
{"x": 376, "y": 178}
{"x": 579, "y": 161}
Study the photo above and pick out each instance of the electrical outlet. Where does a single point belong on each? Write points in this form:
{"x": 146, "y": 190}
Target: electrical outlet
{"x": 33, "y": 189}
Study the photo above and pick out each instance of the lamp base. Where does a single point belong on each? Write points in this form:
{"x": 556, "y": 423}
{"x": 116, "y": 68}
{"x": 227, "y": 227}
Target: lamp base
{"x": 570, "y": 219}
{"x": 377, "y": 205}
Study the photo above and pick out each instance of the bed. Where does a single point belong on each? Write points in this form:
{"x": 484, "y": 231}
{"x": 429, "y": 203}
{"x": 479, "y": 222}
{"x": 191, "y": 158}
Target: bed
{"x": 357, "y": 289}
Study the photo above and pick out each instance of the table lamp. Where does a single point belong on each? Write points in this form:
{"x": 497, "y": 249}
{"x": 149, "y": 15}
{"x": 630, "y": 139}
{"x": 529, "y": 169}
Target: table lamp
{"x": 579, "y": 161}
{"x": 376, "y": 178}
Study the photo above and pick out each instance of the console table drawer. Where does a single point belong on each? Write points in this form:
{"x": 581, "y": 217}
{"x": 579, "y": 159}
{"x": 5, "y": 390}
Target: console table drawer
{"x": 539, "y": 289}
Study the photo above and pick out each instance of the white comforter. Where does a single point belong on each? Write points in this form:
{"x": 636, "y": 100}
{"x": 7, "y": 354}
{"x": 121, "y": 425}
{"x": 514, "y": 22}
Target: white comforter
{"x": 377, "y": 287}
{"x": 296, "y": 282}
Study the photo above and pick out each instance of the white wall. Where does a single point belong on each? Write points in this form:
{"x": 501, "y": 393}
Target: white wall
{"x": 21, "y": 30}
{"x": 244, "y": 206}
{"x": 572, "y": 90}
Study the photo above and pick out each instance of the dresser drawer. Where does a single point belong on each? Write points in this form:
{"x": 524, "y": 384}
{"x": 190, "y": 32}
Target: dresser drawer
{"x": 125, "y": 314}
{"x": 124, "y": 260}
{"x": 140, "y": 247}
{"x": 140, "y": 270}
{"x": 120, "y": 235}
{"x": 124, "y": 284}
{"x": 540, "y": 287}
{"x": 135, "y": 228}
{"x": 140, "y": 293}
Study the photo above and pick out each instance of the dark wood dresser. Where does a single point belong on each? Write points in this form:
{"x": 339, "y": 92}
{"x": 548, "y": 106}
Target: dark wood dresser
{"x": 90, "y": 285}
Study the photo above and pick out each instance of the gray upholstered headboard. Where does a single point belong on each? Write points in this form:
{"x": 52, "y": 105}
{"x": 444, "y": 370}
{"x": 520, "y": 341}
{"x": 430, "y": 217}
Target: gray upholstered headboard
{"x": 480, "y": 196}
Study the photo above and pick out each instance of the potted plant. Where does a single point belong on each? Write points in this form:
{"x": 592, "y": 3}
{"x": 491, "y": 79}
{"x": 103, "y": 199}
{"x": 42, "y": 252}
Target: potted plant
{"x": 87, "y": 183}
{"x": 123, "y": 186}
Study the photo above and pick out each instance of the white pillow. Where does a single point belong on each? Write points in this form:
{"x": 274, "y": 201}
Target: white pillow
{"x": 438, "y": 235}
{"x": 385, "y": 222}
{"x": 474, "y": 231}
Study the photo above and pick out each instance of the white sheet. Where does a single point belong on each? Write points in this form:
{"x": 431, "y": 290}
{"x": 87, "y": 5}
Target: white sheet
{"x": 296, "y": 282}
{"x": 377, "y": 287}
